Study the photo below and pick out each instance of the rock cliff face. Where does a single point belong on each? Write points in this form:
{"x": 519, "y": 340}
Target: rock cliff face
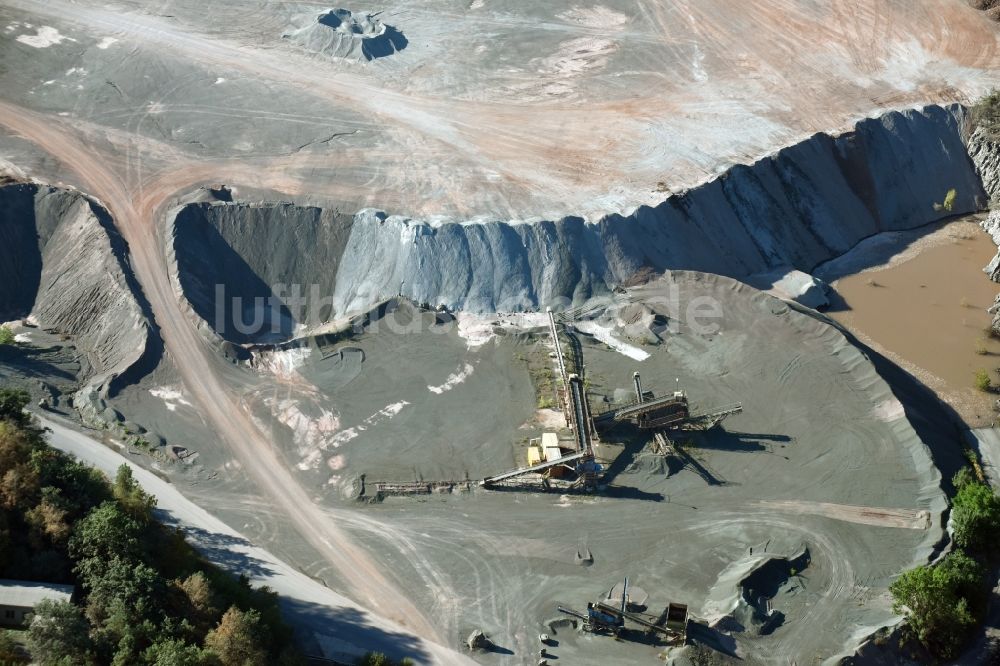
{"x": 792, "y": 210}
{"x": 985, "y": 156}
{"x": 62, "y": 262}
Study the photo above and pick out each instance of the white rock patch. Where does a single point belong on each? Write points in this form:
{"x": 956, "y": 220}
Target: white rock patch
{"x": 454, "y": 379}
{"x": 171, "y": 396}
{"x": 603, "y": 333}
{"x": 45, "y": 37}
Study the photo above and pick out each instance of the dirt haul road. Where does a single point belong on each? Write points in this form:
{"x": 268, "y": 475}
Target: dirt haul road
{"x": 584, "y": 111}
{"x": 135, "y": 217}
{"x": 204, "y": 530}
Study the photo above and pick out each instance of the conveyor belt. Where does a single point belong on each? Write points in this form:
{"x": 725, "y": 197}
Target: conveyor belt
{"x": 555, "y": 341}
{"x": 711, "y": 419}
{"x": 540, "y": 467}
{"x": 639, "y": 408}
{"x": 580, "y": 413}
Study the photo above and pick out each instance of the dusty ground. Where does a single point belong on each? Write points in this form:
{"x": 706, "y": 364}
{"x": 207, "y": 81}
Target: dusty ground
{"x": 493, "y": 108}
{"x": 508, "y": 111}
{"x": 822, "y": 458}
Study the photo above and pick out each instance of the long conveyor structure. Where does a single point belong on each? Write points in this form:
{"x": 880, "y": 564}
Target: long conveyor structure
{"x": 540, "y": 467}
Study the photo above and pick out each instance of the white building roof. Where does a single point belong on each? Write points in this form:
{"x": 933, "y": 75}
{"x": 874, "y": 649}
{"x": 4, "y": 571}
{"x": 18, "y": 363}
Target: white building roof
{"x": 26, "y": 594}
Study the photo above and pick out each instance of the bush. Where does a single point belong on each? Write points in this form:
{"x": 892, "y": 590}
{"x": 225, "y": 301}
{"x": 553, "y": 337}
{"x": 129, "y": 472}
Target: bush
{"x": 949, "y": 201}
{"x": 975, "y": 514}
{"x": 941, "y": 602}
{"x": 982, "y": 381}
{"x": 6, "y": 335}
{"x": 985, "y": 115}
{"x": 12, "y": 404}
{"x": 9, "y": 652}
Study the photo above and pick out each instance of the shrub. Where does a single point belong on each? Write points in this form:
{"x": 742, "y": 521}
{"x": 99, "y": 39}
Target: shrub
{"x": 6, "y": 335}
{"x": 975, "y": 514}
{"x": 12, "y": 404}
{"x": 982, "y": 381}
{"x": 985, "y": 115}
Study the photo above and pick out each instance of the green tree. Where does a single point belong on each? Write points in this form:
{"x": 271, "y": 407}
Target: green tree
{"x": 6, "y": 335}
{"x": 174, "y": 652}
{"x": 936, "y": 601}
{"x": 975, "y": 515}
{"x": 58, "y": 634}
{"x": 963, "y": 477}
{"x": 9, "y": 654}
{"x": 12, "y": 404}
{"x": 106, "y": 533}
{"x": 122, "y": 598}
{"x": 130, "y": 495}
{"x": 239, "y": 639}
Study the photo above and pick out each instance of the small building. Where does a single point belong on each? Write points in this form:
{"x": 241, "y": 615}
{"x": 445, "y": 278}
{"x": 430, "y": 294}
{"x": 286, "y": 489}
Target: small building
{"x": 18, "y": 599}
{"x": 550, "y": 445}
{"x": 534, "y": 452}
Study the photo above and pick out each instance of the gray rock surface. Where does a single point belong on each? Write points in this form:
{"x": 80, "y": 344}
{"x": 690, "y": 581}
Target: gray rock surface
{"x": 985, "y": 155}
{"x": 62, "y": 262}
{"x": 991, "y": 225}
{"x": 801, "y": 206}
{"x": 791, "y": 211}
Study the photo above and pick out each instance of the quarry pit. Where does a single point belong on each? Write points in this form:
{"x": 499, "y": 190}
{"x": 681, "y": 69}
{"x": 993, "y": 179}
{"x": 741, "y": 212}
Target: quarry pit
{"x": 320, "y": 255}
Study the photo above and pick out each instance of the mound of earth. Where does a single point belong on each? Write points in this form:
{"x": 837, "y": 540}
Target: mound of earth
{"x": 44, "y": 231}
{"x": 340, "y": 33}
{"x": 238, "y": 264}
{"x": 789, "y": 212}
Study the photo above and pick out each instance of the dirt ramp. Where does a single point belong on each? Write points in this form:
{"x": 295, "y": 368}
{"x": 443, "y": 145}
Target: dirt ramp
{"x": 62, "y": 262}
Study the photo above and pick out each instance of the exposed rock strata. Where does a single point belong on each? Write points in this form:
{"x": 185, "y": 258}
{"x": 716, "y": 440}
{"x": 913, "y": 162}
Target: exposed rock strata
{"x": 985, "y": 155}
{"x": 790, "y": 211}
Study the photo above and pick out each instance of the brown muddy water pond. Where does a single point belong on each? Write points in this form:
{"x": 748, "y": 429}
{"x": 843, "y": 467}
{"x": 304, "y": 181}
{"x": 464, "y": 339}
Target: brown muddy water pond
{"x": 926, "y": 305}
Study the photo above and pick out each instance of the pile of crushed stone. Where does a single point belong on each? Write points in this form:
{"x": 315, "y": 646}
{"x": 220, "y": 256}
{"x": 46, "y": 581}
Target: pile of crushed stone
{"x": 340, "y": 33}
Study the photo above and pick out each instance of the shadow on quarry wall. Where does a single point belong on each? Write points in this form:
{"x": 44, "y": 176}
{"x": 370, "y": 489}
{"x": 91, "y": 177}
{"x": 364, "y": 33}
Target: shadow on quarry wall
{"x": 244, "y": 313}
{"x": 754, "y": 612}
{"x": 44, "y": 232}
{"x": 259, "y": 255}
{"x": 255, "y": 253}
{"x": 21, "y": 267}
{"x": 389, "y": 42}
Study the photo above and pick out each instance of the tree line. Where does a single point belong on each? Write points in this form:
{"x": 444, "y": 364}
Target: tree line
{"x": 144, "y": 596}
